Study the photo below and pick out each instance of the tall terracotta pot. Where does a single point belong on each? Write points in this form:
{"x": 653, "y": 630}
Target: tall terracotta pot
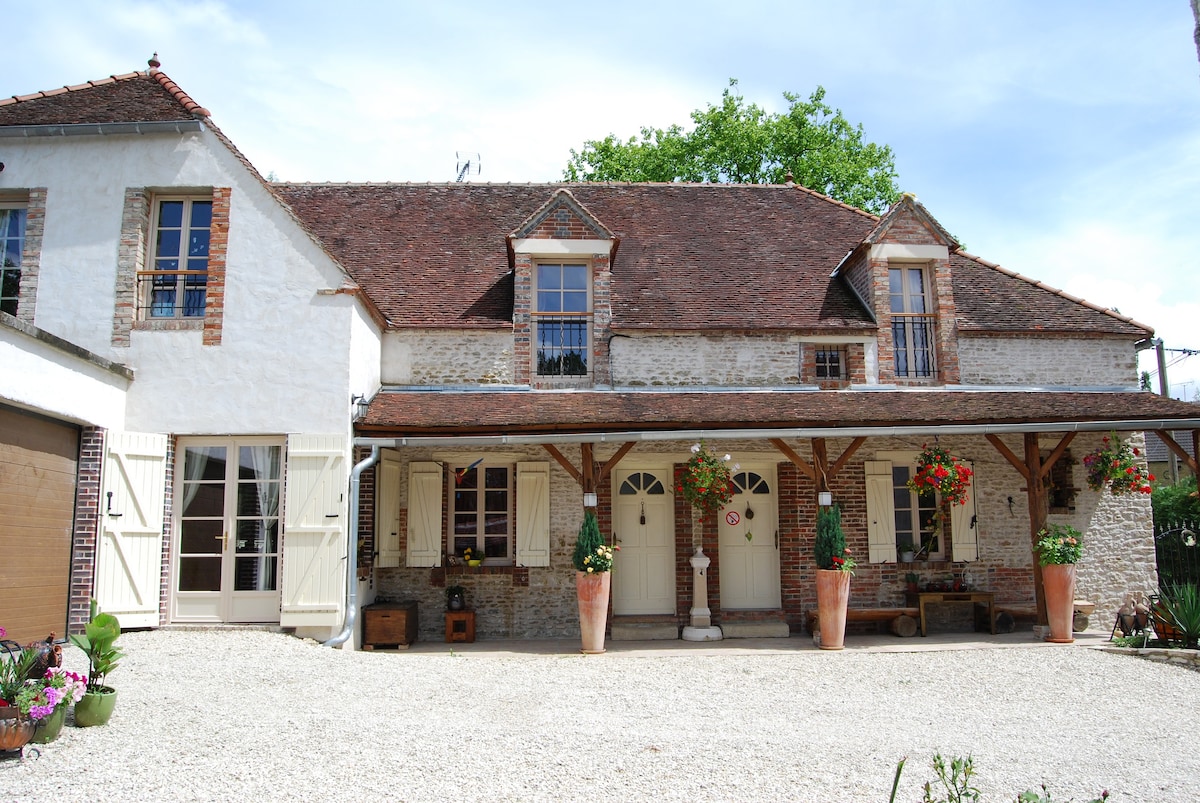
{"x": 593, "y": 591}
{"x": 833, "y": 595}
{"x": 1058, "y": 581}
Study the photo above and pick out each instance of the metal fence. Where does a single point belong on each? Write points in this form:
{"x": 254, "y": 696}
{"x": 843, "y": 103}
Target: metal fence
{"x": 1177, "y": 552}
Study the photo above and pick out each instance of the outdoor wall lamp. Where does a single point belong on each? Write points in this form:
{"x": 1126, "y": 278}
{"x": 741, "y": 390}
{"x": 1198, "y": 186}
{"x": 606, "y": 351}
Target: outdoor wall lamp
{"x": 360, "y": 406}
{"x": 589, "y": 500}
{"x": 824, "y": 498}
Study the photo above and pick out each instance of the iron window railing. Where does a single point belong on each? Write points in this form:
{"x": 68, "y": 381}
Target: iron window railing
{"x": 562, "y": 344}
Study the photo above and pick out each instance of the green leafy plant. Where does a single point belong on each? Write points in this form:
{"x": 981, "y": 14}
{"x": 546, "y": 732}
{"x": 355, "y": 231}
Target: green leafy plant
{"x": 1059, "y": 544}
{"x": 957, "y": 786}
{"x": 98, "y": 642}
{"x": 940, "y": 472}
{"x": 707, "y": 480}
{"x": 1116, "y": 465}
{"x": 1179, "y": 604}
{"x": 16, "y": 690}
{"x": 1033, "y": 796}
{"x": 592, "y": 555}
{"x": 829, "y": 547}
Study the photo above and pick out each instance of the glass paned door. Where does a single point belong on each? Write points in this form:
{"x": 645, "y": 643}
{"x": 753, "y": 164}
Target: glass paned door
{"x": 228, "y": 524}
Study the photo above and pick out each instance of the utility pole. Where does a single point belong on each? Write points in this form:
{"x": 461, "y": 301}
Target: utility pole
{"x": 1164, "y": 389}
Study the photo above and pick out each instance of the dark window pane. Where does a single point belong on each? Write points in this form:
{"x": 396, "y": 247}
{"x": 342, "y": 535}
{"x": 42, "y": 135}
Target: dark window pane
{"x": 170, "y": 214}
{"x": 255, "y": 574}
{"x": 168, "y": 244}
{"x": 199, "y": 574}
{"x": 201, "y": 537}
{"x": 201, "y": 215}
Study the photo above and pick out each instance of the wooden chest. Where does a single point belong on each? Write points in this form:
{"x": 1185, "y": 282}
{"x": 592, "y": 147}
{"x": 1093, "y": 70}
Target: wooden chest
{"x": 389, "y": 624}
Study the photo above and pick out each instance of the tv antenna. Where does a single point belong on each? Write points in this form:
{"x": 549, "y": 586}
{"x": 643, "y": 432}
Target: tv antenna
{"x": 467, "y": 162}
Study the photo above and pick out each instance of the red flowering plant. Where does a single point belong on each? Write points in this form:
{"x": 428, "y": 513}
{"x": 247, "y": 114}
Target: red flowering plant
{"x": 1116, "y": 466}
{"x": 707, "y": 480}
{"x": 939, "y": 472}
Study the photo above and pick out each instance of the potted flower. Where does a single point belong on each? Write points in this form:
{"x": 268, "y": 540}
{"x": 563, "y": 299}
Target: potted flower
{"x": 98, "y": 642}
{"x": 57, "y": 689}
{"x": 835, "y": 566}
{"x": 593, "y": 560}
{"x": 456, "y": 598}
{"x": 16, "y": 696}
{"x": 1058, "y": 549}
{"x": 1115, "y": 466}
{"x": 473, "y": 557}
{"x": 905, "y": 550}
{"x": 940, "y": 472}
{"x": 706, "y": 481}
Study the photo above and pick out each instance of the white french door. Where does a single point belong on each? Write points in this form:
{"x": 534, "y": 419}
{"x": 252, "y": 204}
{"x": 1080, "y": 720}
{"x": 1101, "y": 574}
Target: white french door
{"x": 747, "y": 530}
{"x": 644, "y": 567}
{"x": 227, "y": 546}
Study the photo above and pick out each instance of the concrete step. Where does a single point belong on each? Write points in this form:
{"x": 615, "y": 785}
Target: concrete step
{"x": 644, "y": 631}
{"x": 755, "y": 629}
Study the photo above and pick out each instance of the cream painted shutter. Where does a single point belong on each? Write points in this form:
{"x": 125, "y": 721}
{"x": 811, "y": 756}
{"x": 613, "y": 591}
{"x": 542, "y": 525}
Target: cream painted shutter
{"x": 881, "y": 512}
{"x": 314, "y": 537}
{"x": 387, "y": 510}
{"x": 964, "y": 530}
{"x": 129, "y": 555}
{"x": 424, "y": 514}
{"x": 533, "y": 514}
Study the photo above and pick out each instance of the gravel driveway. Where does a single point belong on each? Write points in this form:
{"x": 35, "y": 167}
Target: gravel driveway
{"x": 251, "y": 715}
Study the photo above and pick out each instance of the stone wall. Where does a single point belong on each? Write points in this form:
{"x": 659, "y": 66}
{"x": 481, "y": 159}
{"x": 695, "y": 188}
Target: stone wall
{"x": 1094, "y": 362}
{"x": 679, "y": 360}
{"x": 435, "y": 357}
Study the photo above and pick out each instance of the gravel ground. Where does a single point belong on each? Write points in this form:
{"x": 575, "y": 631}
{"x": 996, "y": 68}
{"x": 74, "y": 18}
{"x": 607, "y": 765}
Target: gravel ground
{"x": 251, "y": 715}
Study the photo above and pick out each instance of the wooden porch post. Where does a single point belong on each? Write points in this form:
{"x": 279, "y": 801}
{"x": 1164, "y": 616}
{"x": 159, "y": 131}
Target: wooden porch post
{"x": 1036, "y": 494}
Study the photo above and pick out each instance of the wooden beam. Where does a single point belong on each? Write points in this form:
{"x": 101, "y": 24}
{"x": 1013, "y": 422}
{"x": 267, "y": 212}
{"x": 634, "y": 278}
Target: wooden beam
{"x": 564, "y": 462}
{"x": 1179, "y": 451}
{"x": 611, "y": 462}
{"x": 820, "y": 464}
{"x": 1017, "y": 463}
{"x": 1036, "y": 494}
{"x": 796, "y": 459}
{"x": 589, "y": 469}
{"x": 846, "y": 455}
{"x": 1057, "y": 453}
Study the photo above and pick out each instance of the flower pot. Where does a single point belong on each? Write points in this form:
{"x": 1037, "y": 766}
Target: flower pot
{"x": 48, "y": 728}
{"x": 95, "y": 707}
{"x": 592, "y": 591}
{"x": 833, "y": 595}
{"x": 907, "y": 557}
{"x": 15, "y": 730}
{"x": 1058, "y": 581}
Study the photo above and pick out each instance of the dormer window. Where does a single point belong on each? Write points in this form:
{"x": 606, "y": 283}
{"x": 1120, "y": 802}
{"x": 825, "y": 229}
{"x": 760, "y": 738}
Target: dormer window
{"x": 176, "y": 286}
{"x": 562, "y": 320}
{"x": 912, "y": 323}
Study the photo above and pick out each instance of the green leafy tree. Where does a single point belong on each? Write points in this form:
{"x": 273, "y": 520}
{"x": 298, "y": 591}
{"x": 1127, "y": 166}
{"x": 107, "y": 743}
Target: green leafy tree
{"x": 736, "y": 142}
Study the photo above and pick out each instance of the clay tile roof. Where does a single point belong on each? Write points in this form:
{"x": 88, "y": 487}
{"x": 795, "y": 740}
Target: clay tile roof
{"x": 136, "y": 97}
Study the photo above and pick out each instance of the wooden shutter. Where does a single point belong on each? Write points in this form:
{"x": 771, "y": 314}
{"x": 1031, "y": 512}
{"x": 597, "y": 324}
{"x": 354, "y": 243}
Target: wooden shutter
{"x": 533, "y": 514}
{"x": 314, "y": 538}
{"x": 881, "y": 512}
{"x": 129, "y": 555}
{"x": 387, "y": 510}
{"x": 964, "y": 528}
{"x": 424, "y": 514}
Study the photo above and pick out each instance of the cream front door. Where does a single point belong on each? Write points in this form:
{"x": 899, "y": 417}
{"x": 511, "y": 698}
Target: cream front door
{"x": 748, "y": 539}
{"x": 644, "y": 567}
{"x": 227, "y": 501}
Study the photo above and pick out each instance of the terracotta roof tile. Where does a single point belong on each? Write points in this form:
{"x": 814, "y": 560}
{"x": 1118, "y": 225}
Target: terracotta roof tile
{"x": 423, "y": 413}
{"x": 136, "y": 97}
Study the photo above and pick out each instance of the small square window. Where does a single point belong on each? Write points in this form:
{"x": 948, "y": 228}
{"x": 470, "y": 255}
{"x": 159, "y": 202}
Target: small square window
{"x": 831, "y": 362}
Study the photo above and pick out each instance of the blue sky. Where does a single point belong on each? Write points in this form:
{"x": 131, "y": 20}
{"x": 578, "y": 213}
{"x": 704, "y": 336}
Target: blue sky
{"x": 1059, "y": 139}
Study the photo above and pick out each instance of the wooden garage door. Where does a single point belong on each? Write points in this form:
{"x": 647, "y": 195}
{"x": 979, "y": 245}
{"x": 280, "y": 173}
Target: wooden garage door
{"x": 38, "y": 464}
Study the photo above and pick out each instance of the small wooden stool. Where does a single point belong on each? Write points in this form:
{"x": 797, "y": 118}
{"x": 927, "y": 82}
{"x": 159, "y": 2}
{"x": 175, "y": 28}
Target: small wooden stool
{"x": 460, "y": 626}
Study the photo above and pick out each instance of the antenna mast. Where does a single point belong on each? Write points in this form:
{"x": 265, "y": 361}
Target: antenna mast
{"x": 465, "y": 164}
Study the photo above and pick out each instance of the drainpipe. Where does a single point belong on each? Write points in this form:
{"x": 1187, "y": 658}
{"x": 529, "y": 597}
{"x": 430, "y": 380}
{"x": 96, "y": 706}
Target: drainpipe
{"x": 352, "y": 556}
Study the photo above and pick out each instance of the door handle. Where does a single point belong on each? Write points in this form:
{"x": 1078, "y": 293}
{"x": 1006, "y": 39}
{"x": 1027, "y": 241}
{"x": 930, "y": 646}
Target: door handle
{"x": 224, "y": 540}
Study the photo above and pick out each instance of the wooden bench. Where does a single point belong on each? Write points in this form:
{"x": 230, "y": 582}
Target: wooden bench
{"x": 903, "y": 620}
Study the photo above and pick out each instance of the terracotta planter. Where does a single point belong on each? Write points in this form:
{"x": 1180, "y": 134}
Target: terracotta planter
{"x": 593, "y": 590}
{"x": 1058, "y": 581}
{"x": 833, "y": 595}
{"x": 15, "y": 731}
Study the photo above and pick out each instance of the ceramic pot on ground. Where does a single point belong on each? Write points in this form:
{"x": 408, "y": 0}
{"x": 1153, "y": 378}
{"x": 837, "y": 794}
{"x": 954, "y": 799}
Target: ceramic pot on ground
{"x": 95, "y": 707}
{"x": 48, "y": 728}
{"x": 593, "y": 590}
{"x": 833, "y": 595}
{"x": 1058, "y": 581}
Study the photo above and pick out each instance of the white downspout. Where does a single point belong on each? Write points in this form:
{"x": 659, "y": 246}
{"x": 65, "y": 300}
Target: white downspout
{"x": 352, "y": 550}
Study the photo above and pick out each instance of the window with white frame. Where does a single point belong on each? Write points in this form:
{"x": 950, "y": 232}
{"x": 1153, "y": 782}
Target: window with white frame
{"x": 175, "y": 285}
{"x": 12, "y": 244}
{"x": 915, "y": 516}
{"x": 912, "y": 322}
{"x": 481, "y": 513}
{"x": 562, "y": 319}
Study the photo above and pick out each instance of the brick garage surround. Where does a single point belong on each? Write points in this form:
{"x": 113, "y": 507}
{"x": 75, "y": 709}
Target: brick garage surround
{"x": 85, "y": 532}
{"x": 31, "y": 255}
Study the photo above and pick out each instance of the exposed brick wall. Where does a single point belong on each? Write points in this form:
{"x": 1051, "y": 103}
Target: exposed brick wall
{"x": 131, "y": 255}
{"x": 31, "y": 255}
{"x": 366, "y": 515}
{"x": 218, "y": 246}
{"x": 522, "y": 320}
{"x": 86, "y": 531}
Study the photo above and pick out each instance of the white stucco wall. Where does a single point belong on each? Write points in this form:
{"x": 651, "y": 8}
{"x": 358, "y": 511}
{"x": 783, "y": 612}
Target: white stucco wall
{"x": 284, "y": 361}
{"x": 1101, "y": 362}
{"x": 434, "y": 357}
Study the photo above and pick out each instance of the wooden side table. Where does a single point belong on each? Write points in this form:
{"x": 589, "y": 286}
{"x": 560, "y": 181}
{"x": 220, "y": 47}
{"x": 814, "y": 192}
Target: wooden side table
{"x": 389, "y": 623}
{"x": 460, "y": 626}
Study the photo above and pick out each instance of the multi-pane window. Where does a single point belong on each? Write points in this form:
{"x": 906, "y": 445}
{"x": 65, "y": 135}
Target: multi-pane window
{"x": 12, "y": 243}
{"x": 912, "y": 324}
{"x": 481, "y": 511}
{"x": 914, "y": 513}
{"x": 176, "y": 285}
{"x": 831, "y": 362}
{"x": 562, "y": 319}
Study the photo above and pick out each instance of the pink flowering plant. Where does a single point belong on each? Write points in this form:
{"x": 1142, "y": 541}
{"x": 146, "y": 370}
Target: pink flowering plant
{"x": 707, "y": 480}
{"x": 1116, "y": 466}
{"x": 940, "y": 472}
{"x": 35, "y": 698}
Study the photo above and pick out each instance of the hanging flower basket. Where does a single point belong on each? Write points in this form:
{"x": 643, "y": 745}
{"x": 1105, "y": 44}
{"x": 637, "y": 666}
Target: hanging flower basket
{"x": 939, "y": 472}
{"x": 1115, "y": 466}
{"x": 707, "y": 480}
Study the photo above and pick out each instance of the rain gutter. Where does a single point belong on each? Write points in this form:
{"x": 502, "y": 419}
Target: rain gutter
{"x": 92, "y": 129}
{"x": 352, "y": 549}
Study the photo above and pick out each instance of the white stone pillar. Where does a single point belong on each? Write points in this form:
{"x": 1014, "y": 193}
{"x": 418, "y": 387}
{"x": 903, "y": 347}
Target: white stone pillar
{"x": 701, "y": 628}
